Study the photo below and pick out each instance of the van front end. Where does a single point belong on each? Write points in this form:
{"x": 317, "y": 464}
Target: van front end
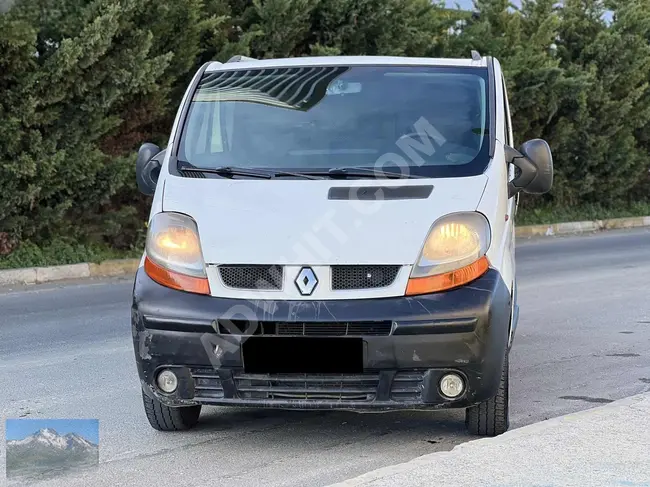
{"x": 427, "y": 351}
{"x": 333, "y": 233}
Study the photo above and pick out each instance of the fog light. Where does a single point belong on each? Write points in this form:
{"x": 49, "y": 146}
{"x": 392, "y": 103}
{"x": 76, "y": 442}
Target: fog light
{"x": 167, "y": 381}
{"x": 452, "y": 385}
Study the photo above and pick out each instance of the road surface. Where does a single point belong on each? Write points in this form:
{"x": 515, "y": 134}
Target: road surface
{"x": 583, "y": 340}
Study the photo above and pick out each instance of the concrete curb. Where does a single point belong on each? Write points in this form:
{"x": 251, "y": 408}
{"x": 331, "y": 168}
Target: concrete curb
{"x": 570, "y": 228}
{"x": 126, "y": 267}
{"x": 585, "y": 448}
{"x": 38, "y": 275}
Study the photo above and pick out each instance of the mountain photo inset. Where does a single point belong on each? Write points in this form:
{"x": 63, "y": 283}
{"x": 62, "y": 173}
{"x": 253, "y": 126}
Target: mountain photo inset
{"x": 38, "y": 449}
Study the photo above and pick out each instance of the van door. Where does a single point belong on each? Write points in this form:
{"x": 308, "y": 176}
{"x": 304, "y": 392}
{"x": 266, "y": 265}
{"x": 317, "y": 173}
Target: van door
{"x": 513, "y": 204}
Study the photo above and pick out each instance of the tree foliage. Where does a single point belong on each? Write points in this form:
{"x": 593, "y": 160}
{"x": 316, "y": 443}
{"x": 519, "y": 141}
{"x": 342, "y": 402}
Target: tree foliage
{"x": 84, "y": 82}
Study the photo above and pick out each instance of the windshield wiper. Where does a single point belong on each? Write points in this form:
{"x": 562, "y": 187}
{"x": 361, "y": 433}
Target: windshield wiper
{"x": 335, "y": 172}
{"x": 229, "y": 171}
{"x": 364, "y": 172}
{"x": 304, "y": 175}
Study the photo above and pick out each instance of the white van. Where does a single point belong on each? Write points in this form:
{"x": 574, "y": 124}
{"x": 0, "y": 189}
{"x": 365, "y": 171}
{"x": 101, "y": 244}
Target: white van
{"x": 334, "y": 233}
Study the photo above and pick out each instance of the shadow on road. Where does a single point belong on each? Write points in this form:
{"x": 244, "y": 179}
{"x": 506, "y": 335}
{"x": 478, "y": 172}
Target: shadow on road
{"x": 433, "y": 430}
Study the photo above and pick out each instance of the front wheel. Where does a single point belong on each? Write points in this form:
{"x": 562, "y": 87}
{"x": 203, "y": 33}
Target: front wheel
{"x": 166, "y": 418}
{"x": 491, "y": 417}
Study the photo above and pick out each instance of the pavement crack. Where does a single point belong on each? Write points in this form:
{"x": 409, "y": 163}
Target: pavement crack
{"x": 598, "y": 400}
{"x": 623, "y": 355}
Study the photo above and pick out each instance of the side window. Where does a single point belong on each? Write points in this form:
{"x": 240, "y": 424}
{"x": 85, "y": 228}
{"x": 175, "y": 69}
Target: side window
{"x": 506, "y": 112}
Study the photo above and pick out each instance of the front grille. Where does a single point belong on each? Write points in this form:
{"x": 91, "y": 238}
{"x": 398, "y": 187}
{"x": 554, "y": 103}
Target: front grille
{"x": 371, "y": 328}
{"x": 207, "y": 384}
{"x": 306, "y": 387}
{"x": 407, "y": 386}
{"x": 251, "y": 276}
{"x": 272, "y": 328}
{"x": 345, "y": 277}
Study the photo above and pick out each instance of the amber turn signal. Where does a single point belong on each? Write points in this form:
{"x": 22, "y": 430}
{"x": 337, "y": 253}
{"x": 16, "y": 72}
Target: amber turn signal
{"x": 175, "y": 280}
{"x": 448, "y": 280}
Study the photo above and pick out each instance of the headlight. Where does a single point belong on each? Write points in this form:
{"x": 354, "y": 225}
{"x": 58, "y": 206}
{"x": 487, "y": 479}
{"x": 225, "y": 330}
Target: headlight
{"x": 453, "y": 254}
{"x": 173, "y": 253}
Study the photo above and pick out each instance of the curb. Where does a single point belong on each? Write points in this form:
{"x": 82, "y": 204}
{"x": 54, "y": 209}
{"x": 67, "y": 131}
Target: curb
{"x": 127, "y": 267}
{"x": 38, "y": 275}
{"x": 563, "y": 432}
{"x": 572, "y": 228}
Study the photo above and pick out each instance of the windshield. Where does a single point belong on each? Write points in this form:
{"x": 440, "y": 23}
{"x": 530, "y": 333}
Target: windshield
{"x": 430, "y": 121}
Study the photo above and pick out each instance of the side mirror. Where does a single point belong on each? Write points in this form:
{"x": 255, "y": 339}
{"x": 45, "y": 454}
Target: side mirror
{"x": 147, "y": 168}
{"x": 535, "y": 163}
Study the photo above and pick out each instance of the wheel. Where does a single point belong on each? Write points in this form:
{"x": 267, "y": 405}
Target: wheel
{"x": 491, "y": 417}
{"x": 166, "y": 418}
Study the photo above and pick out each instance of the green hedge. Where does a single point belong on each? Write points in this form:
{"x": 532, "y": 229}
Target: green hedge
{"x": 60, "y": 252}
{"x": 549, "y": 214}
{"x": 84, "y": 82}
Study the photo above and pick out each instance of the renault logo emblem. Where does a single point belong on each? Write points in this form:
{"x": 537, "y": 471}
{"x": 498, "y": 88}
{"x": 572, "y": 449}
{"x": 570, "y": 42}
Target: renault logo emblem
{"x": 306, "y": 281}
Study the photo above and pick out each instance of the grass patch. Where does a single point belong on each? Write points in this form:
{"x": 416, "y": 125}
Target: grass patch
{"x": 547, "y": 215}
{"x": 60, "y": 252}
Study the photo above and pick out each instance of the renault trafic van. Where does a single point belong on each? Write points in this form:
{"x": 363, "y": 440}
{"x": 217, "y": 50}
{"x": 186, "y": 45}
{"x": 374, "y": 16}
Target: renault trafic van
{"x": 334, "y": 233}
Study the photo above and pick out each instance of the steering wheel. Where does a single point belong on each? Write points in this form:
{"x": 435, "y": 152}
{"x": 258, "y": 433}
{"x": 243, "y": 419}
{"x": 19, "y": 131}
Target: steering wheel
{"x": 418, "y": 134}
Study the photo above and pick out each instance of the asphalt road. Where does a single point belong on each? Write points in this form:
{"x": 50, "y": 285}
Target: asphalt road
{"x": 583, "y": 340}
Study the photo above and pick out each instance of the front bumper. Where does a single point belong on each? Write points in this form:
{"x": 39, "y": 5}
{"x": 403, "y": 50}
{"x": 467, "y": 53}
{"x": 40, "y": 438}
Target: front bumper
{"x": 464, "y": 331}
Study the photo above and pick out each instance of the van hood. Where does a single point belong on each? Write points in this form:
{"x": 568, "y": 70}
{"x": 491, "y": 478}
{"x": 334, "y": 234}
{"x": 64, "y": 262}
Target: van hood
{"x": 297, "y": 222}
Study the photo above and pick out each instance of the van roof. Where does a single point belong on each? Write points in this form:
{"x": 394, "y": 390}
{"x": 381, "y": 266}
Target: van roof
{"x": 346, "y": 61}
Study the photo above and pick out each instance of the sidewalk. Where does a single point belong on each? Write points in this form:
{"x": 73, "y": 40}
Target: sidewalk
{"x": 604, "y": 446}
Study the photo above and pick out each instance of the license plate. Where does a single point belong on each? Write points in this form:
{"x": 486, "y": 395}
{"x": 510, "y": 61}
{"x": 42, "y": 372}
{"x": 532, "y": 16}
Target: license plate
{"x": 306, "y": 355}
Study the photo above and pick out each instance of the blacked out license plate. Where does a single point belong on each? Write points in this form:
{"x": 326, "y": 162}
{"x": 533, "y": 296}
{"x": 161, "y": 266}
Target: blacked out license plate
{"x": 308, "y": 355}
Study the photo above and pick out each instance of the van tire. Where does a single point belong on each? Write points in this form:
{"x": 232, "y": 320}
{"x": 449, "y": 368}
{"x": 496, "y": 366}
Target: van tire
{"x": 166, "y": 418}
{"x": 491, "y": 417}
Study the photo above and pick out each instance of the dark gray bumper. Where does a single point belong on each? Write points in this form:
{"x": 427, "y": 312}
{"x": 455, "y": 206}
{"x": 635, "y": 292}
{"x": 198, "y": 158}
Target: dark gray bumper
{"x": 464, "y": 330}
